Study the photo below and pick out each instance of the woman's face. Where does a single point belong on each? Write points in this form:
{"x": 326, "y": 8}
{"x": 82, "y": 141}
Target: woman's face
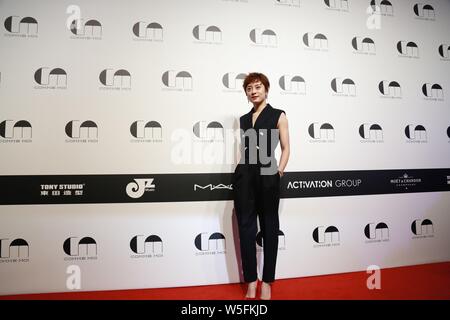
{"x": 256, "y": 92}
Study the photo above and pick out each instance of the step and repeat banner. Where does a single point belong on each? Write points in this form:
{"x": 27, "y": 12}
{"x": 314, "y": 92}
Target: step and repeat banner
{"x": 119, "y": 135}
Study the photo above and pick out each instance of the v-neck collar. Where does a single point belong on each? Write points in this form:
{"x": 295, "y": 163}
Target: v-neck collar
{"x": 259, "y": 116}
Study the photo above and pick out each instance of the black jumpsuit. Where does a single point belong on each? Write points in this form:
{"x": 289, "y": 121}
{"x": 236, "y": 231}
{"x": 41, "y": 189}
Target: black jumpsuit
{"x": 257, "y": 194}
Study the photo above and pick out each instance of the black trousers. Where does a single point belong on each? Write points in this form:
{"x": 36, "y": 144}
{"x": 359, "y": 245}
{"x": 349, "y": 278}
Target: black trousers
{"x": 257, "y": 195}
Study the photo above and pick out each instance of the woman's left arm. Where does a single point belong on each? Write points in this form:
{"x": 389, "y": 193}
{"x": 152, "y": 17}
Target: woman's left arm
{"x": 284, "y": 142}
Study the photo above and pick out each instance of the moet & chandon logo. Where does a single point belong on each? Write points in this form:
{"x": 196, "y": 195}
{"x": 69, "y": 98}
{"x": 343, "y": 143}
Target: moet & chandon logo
{"x": 405, "y": 181}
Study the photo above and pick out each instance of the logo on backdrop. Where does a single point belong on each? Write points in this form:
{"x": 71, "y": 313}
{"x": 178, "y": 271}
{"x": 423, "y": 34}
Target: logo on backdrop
{"x": 207, "y": 34}
{"x": 210, "y": 244}
{"x": 424, "y": 12}
{"x": 415, "y": 133}
{"x": 343, "y": 87}
{"x": 376, "y": 232}
{"x": 382, "y": 7}
{"x": 326, "y": 236}
{"x": 211, "y": 187}
{"x": 233, "y": 81}
{"x": 363, "y": 45}
{"x": 11, "y": 251}
{"x": 62, "y": 190}
{"x": 324, "y": 184}
{"x": 321, "y": 132}
{"x": 292, "y": 84}
{"x": 177, "y": 80}
{"x": 209, "y": 132}
{"x": 112, "y": 79}
{"x": 146, "y": 246}
{"x": 315, "y": 41}
{"x": 26, "y": 27}
{"x": 138, "y": 187}
{"x": 337, "y": 5}
{"x": 372, "y": 133}
{"x": 281, "y": 240}
{"x": 448, "y": 132}
{"x": 408, "y": 49}
{"x": 405, "y": 181}
{"x": 422, "y": 228}
{"x": 80, "y": 249}
{"x": 146, "y": 131}
{"x": 433, "y": 92}
{"x": 390, "y": 89}
{"x": 89, "y": 30}
{"x": 81, "y": 131}
{"x": 16, "y": 131}
{"x": 145, "y": 31}
{"x": 263, "y": 37}
{"x": 48, "y": 78}
{"x": 288, "y": 3}
{"x": 444, "y": 52}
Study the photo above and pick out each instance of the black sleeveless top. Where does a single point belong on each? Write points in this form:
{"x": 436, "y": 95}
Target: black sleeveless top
{"x": 263, "y": 138}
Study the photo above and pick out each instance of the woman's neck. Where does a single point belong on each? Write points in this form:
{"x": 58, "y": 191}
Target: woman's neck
{"x": 259, "y": 107}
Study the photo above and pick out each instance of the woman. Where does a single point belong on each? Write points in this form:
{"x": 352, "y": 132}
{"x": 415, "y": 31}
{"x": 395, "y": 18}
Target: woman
{"x": 256, "y": 182}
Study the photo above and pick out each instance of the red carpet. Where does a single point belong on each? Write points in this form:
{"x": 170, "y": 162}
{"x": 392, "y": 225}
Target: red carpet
{"x": 430, "y": 281}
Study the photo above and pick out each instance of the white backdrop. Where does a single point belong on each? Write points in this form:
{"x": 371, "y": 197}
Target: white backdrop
{"x": 184, "y": 69}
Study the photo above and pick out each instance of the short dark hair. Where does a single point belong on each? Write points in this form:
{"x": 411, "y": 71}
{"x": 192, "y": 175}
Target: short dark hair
{"x": 256, "y": 76}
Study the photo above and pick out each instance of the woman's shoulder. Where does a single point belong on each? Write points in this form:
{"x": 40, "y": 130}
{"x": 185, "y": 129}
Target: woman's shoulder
{"x": 278, "y": 112}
